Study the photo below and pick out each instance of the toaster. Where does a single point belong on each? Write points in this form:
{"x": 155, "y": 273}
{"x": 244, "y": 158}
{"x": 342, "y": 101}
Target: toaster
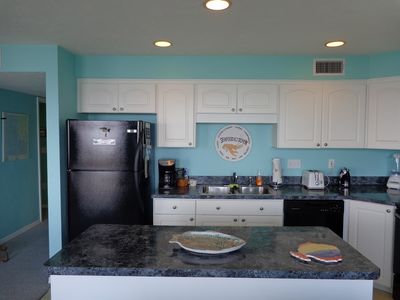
{"x": 313, "y": 179}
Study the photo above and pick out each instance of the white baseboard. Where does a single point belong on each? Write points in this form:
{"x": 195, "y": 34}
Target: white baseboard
{"x": 19, "y": 231}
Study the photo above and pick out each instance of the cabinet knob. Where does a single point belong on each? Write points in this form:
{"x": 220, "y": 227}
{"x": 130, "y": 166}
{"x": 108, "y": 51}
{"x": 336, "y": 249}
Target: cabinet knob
{"x": 243, "y": 220}
{"x": 261, "y": 208}
{"x": 190, "y": 143}
{"x": 235, "y": 220}
{"x": 318, "y": 145}
{"x": 388, "y": 211}
{"x": 174, "y": 207}
{"x": 114, "y": 108}
{"x": 232, "y": 109}
{"x": 121, "y": 108}
{"x": 218, "y": 207}
{"x": 240, "y": 109}
{"x": 325, "y": 144}
{"x": 191, "y": 219}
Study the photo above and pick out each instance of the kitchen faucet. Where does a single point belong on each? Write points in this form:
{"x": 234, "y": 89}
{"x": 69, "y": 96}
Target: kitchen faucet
{"x": 234, "y": 178}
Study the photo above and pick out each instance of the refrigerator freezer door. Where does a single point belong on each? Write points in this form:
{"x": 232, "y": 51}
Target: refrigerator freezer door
{"x": 105, "y": 145}
{"x": 106, "y": 197}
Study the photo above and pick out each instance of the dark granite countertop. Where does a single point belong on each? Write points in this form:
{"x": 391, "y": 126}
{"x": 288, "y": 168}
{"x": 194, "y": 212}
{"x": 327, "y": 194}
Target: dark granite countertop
{"x": 140, "y": 250}
{"x": 370, "y": 193}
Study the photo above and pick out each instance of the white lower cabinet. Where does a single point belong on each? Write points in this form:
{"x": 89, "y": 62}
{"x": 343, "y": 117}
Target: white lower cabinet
{"x": 239, "y": 212}
{"x": 371, "y": 229}
{"x": 174, "y": 212}
{"x": 217, "y": 212}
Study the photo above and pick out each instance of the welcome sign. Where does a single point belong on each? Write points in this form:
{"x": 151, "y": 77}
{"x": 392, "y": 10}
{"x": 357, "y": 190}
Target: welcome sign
{"x": 233, "y": 143}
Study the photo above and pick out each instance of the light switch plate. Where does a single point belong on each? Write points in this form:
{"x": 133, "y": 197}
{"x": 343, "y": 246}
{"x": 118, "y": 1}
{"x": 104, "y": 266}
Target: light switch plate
{"x": 294, "y": 163}
{"x": 331, "y": 163}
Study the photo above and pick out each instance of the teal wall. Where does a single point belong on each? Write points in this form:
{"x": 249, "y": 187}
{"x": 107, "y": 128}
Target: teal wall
{"x": 208, "y": 67}
{"x": 58, "y": 65}
{"x": 19, "y": 201}
{"x": 67, "y": 110}
{"x": 384, "y": 65}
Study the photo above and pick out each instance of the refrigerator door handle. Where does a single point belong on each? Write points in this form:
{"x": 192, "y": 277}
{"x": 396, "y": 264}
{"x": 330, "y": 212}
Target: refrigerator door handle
{"x": 139, "y": 194}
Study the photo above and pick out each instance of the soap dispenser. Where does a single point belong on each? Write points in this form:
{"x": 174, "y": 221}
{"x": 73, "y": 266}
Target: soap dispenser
{"x": 259, "y": 179}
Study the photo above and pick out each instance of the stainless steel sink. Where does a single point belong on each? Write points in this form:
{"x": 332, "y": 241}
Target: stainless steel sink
{"x": 225, "y": 190}
{"x": 252, "y": 190}
{"x": 216, "y": 190}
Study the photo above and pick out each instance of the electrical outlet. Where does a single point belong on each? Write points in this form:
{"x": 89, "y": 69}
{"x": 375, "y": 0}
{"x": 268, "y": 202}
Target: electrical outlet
{"x": 331, "y": 163}
{"x": 294, "y": 163}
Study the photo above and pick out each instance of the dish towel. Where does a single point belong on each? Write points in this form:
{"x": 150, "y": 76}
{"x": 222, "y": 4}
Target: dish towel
{"x": 323, "y": 253}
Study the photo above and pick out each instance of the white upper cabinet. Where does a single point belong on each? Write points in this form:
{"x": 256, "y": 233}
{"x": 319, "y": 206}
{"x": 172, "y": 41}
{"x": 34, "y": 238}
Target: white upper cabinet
{"x": 115, "y": 96}
{"x": 343, "y": 115}
{"x": 384, "y": 113}
{"x": 175, "y": 115}
{"x": 257, "y": 98}
{"x": 97, "y": 96}
{"x": 236, "y": 102}
{"x": 322, "y": 115}
{"x": 137, "y": 97}
{"x": 216, "y": 98}
{"x": 299, "y": 124}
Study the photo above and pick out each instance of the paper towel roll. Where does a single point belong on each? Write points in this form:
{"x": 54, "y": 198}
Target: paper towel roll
{"x": 276, "y": 171}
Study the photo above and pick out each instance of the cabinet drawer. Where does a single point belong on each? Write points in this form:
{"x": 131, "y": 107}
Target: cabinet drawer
{"x": 174, "y": 206}
{"x": 174, "y": 220}
{"x": 240, "y": 207}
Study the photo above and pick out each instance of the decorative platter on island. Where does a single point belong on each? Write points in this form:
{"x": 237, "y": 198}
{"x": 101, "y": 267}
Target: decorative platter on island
{"x": 207, "y": 242}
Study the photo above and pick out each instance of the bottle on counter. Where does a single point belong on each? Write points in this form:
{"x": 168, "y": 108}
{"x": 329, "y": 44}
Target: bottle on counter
{"x": 259, "y": 179}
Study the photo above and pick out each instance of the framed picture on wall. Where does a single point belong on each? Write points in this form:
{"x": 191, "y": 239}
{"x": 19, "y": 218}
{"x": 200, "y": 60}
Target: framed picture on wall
{"x": 15, "y": 136}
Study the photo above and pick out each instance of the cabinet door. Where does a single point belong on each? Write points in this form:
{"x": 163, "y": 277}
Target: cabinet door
{"x": 299, "y": 124}
{"x": 137, "y": 97}
{"x": 343, "y": 115}
{"x": 371, "y": 229}
{"x": 97, "y": 96}
{"x": 383, "y": 114}
{"x": 174, "y": 220}
{"x": 216, "y": 98}
{"x": 175, "y": 115}
{"x": 257, "y": 98}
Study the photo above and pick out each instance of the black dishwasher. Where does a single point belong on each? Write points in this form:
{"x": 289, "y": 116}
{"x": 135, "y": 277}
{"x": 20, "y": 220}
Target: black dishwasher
{"x": 327, "y": 213}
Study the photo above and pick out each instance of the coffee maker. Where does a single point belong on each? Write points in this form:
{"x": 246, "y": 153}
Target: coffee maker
{"x": 344, "y": 178}
{"x": 166, "y": 174}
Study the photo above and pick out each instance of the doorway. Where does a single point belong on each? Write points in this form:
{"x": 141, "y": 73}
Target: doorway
{"x": 42, "y": 151}
{"x": 24, "y": 93}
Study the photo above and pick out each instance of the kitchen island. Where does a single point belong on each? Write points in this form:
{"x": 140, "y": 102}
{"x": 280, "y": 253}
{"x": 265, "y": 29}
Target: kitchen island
{"x": 138, "y": 262}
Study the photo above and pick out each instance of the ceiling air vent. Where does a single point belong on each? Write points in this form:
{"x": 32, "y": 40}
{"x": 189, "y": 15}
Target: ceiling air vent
{"x": 329, "y": 67}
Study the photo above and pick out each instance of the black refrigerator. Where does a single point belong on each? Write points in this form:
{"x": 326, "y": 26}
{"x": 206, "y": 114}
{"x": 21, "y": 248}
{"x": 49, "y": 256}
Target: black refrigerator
{"x": 110, "y": 170}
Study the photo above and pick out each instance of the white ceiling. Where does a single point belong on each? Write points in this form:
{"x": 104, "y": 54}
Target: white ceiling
{"x": 249, "y": 27}
{"x": 28, "y": 83}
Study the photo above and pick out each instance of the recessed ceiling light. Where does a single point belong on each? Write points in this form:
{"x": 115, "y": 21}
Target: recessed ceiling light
{"x": 333, "y": 44}
{"x": 163, "y": 43}
{"x": 217, "y": 4}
